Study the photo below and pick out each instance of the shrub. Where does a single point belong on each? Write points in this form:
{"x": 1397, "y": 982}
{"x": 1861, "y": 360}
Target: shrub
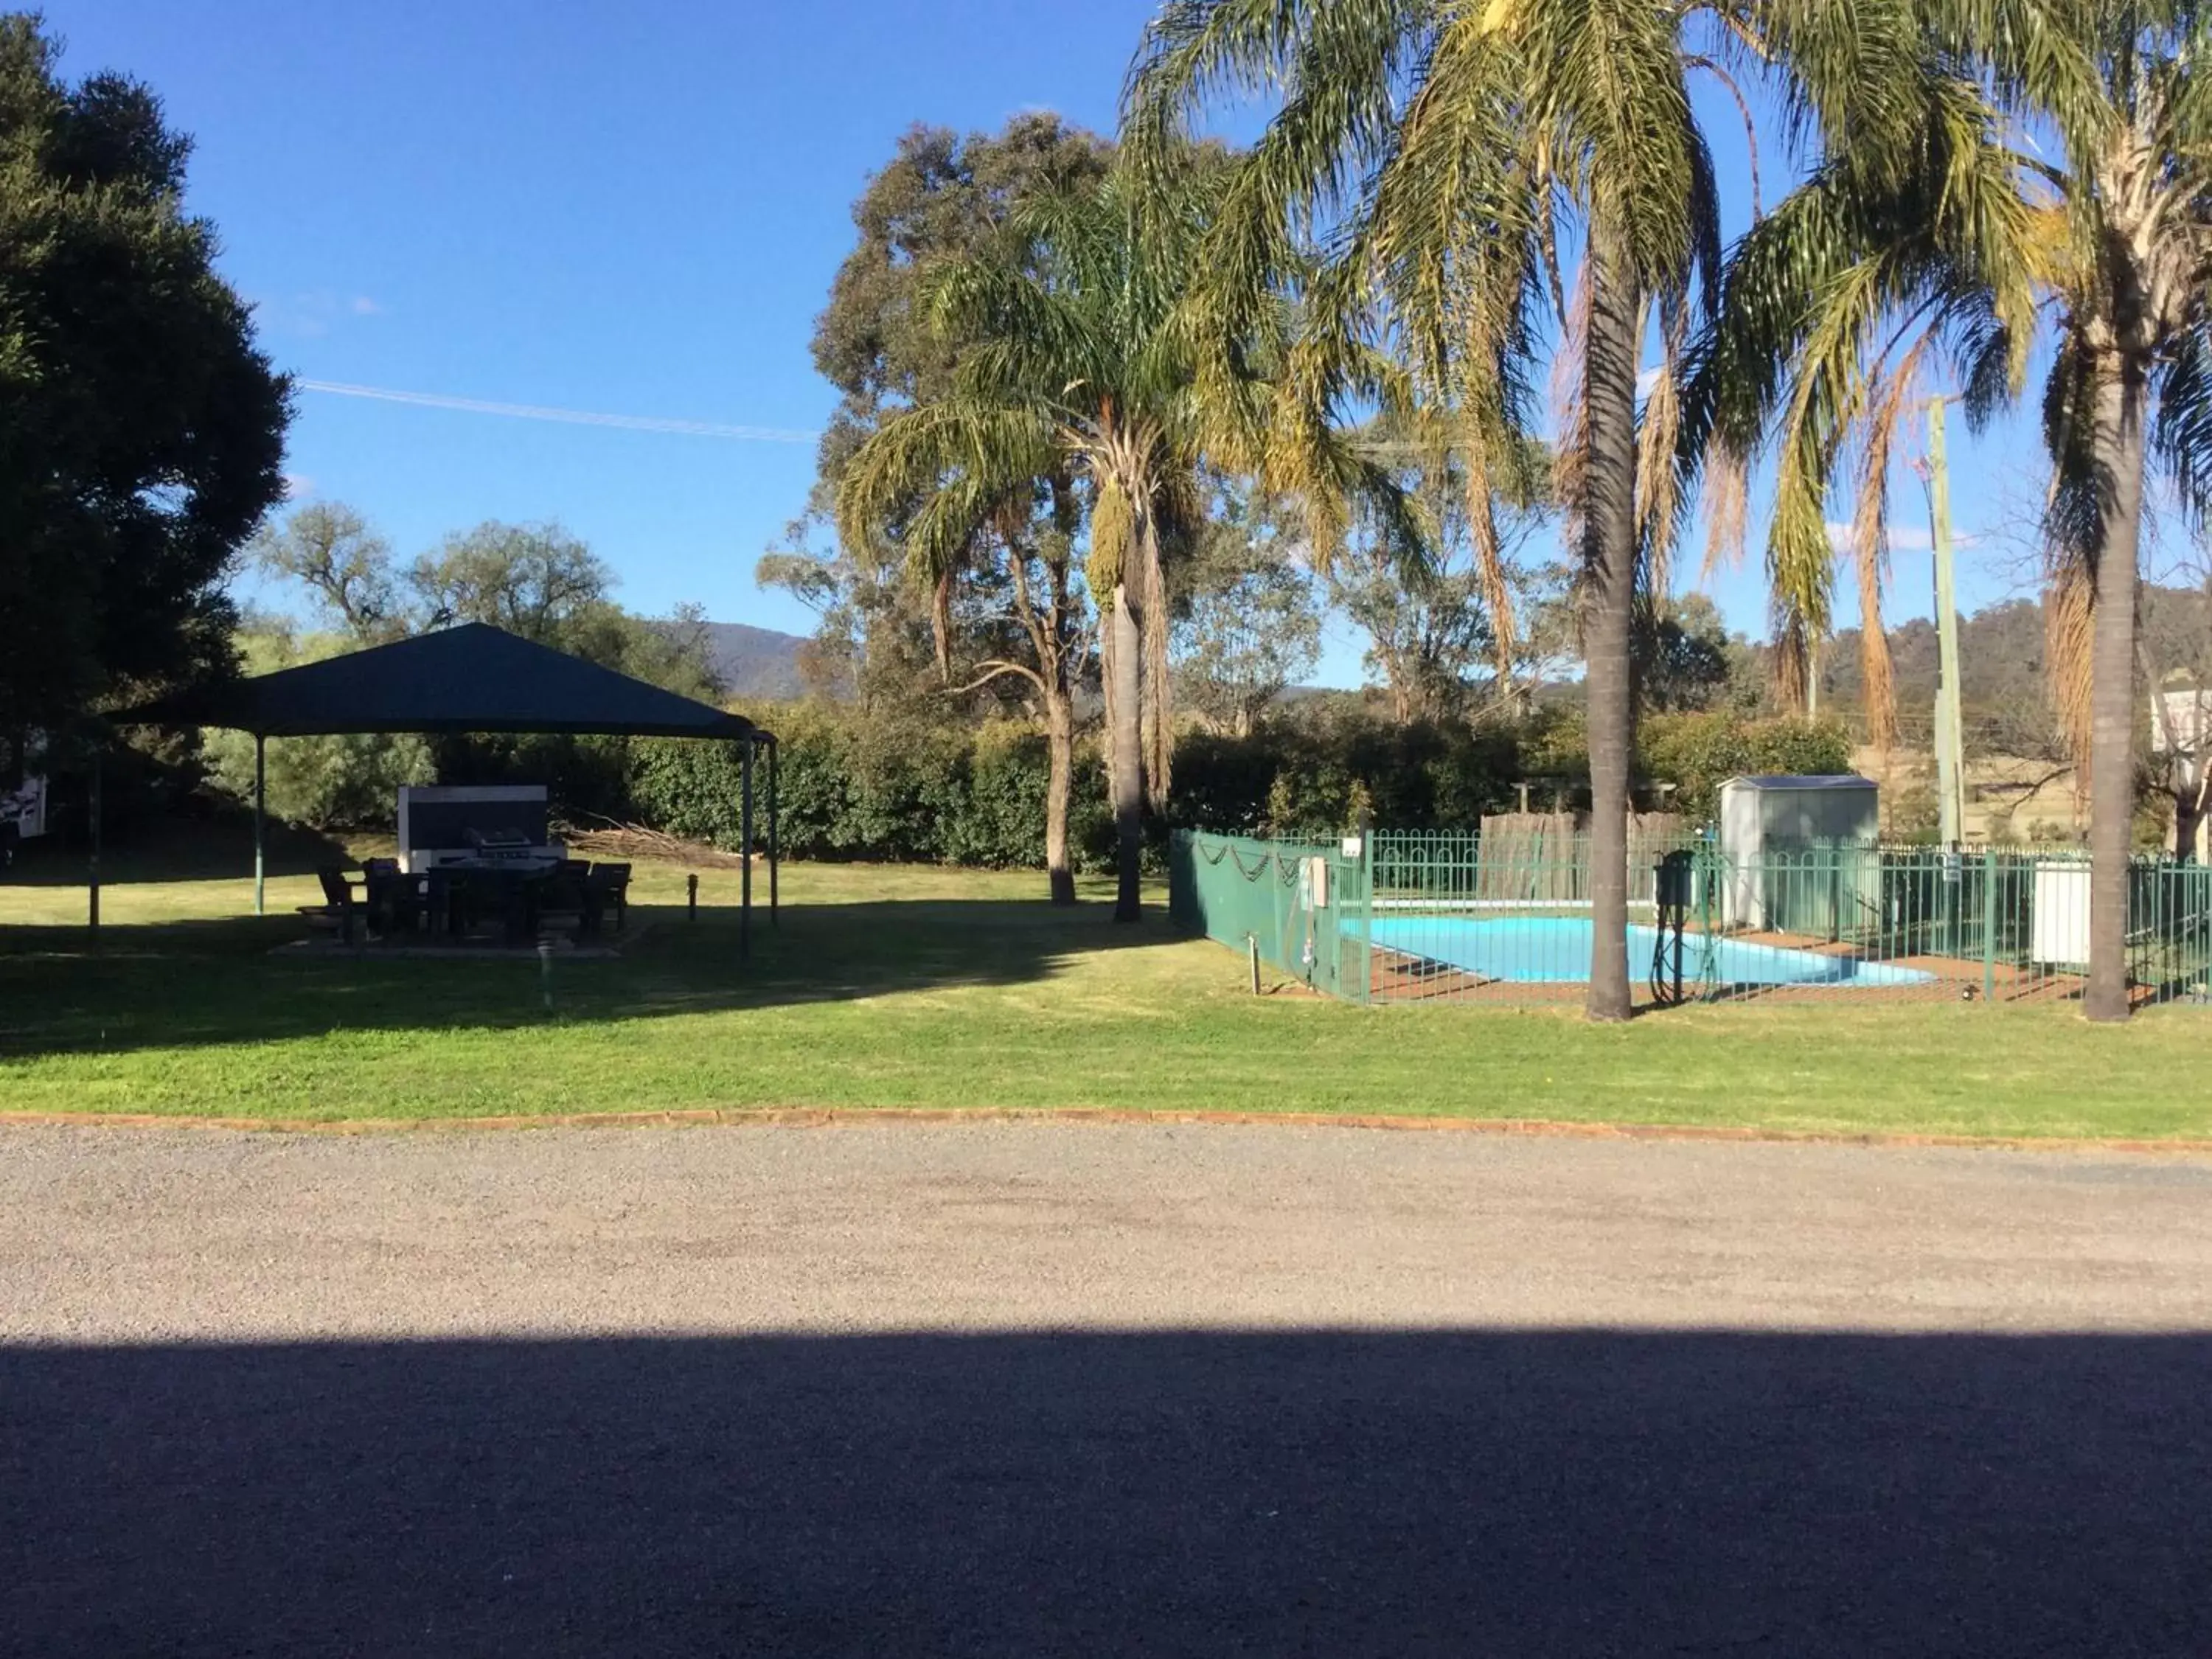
{"x": 868, "y": 787}
{"x": 1697, "y": 753}
{"x": 855, "y": 786}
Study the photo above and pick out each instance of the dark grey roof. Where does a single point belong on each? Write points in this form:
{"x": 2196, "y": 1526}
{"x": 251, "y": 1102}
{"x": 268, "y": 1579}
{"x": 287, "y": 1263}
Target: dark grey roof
{"x": 474, "y": 677}
{"x": 1811, "y": 780}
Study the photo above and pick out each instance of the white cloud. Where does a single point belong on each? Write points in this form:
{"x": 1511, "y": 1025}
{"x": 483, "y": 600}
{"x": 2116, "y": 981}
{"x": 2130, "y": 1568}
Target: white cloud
{"x": 1902, "y": 538}
{"x": 1648, "y": 379}
{"x": 298, "y": 486}
{"x": 312, "y": 314}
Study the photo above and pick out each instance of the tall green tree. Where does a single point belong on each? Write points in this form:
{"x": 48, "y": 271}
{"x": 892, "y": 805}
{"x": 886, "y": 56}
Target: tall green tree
{"x": 1247, "y": 614}
{"x": 1438, "y": 148}
{"x": 141, "y": 430}
{"x": 942, "y": 196}
{"x": 1085, "y": 366}
{"x": 346, "y": 567}
{"x": 2063, "y": 167}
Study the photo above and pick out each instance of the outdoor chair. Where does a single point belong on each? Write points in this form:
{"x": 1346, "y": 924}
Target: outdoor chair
{"x": 339, "y": 909}
{"x": 606, "y": 884}
{"x": 564, "y": 899}
{"x": 394, "y": 898}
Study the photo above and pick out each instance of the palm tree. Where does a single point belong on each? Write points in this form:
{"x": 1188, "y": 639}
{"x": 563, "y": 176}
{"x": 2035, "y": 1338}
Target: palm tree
{"x": 1437, "y": 147}
{"x": 1976, "y": 231}
{"x": 1887, "y": 272}
{"x": 1081, "y": 369}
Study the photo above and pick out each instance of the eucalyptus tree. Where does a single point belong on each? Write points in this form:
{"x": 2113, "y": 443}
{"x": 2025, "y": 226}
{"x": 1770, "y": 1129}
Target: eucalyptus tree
{"x": 1438, "y": 147}
{"x": 2062, "y": 181}
{"x": 942, "y": 195}
{"x": 1081, "y": 365}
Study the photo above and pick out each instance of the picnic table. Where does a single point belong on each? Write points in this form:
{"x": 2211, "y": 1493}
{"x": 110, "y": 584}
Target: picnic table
{"x": 449, "y": 898}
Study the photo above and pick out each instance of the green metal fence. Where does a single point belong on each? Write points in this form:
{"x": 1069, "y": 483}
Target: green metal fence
{"x": 1298, "y": 904}
{"x": 1408, "y": 916}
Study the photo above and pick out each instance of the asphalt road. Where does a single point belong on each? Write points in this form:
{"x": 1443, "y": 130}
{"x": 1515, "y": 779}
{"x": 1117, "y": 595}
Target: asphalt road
{"x": 1030, "y": 1388}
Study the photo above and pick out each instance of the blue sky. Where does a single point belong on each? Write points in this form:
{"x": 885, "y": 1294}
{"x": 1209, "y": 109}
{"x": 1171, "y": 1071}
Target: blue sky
{"x": 636, "y": 210}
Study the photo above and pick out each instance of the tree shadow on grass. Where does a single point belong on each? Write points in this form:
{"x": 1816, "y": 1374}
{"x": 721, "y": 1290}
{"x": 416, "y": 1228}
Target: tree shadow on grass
{"x": 1327, "y": 1493}
{"x": 196, "y": 983}
{"x": 218, "y": 848}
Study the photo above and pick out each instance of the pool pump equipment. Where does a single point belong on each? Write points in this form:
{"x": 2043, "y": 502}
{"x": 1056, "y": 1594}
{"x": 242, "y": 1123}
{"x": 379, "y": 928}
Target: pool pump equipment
{"x": 1675, "y": 893}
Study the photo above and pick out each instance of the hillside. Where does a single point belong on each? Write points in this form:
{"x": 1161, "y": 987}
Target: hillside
{"x": 754, "y": 662}
{"x": 2001, "y": 650}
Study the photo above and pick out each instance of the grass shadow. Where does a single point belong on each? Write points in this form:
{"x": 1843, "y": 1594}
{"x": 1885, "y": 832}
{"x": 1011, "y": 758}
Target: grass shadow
{"x": 219, "y": 848}
{"x": 190, "y": 982}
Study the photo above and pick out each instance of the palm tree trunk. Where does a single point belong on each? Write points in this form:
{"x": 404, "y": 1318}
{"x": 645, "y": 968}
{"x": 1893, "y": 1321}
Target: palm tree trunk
{"x": 1059, "y": 786}
{"x": 1124, "y": 647}
{"x": 1609, "y": 568}
{"x": 2118, "y": 460}
{"x": 1159, "y": 689}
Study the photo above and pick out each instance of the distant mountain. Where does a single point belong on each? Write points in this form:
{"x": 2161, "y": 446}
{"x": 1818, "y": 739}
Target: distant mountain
{"x": 758, "y": 663}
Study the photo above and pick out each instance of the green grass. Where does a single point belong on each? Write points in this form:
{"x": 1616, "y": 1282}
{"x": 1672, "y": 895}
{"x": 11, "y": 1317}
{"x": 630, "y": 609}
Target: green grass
{"x": 904, "y": 987}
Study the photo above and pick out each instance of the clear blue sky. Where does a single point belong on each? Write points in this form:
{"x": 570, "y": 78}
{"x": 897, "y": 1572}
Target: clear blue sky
{"x": 633, "y": 209}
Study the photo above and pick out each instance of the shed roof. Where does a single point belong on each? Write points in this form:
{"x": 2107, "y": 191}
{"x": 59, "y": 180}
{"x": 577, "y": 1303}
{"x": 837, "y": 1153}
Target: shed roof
{"x": 1809, "y": 780}
{"x": 474, "y": 677}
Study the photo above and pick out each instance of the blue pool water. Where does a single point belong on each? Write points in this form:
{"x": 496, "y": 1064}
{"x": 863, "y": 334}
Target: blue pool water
{"x": 1545, "y": 950}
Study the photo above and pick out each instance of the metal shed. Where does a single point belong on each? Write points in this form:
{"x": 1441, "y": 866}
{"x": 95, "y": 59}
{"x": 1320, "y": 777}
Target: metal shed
{"x": 1799, "y": 852}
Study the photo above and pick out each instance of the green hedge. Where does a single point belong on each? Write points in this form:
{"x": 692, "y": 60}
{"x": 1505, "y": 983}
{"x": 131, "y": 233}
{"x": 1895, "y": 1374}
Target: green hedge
{"x": 854, "y": 786}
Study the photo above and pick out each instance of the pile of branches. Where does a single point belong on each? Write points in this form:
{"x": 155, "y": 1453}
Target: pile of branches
{"x": 634, "y": 841}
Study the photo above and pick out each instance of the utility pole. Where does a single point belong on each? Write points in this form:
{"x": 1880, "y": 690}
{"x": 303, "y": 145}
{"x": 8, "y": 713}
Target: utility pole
{"x": 1950, "y": 759}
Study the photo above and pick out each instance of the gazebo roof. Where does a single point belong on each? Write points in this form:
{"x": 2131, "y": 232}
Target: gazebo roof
{"x": 473, "y": 678}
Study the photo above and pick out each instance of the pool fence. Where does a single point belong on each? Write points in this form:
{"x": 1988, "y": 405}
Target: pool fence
{"x": 1441, "y": 915}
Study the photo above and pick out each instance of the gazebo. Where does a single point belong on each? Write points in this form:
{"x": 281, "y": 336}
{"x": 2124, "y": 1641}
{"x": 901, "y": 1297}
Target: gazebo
{"x": 473, "y": 678}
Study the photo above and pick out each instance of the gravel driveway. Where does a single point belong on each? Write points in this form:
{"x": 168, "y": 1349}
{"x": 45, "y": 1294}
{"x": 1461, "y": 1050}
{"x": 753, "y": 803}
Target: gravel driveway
{"x": 1025, "y": 1388}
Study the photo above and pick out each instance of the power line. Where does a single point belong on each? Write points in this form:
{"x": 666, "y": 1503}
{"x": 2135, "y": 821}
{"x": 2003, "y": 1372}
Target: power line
{"x": 766, "y": 434}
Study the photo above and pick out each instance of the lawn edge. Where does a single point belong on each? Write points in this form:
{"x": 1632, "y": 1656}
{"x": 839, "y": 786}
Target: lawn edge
{"x": 836, "y": 1116}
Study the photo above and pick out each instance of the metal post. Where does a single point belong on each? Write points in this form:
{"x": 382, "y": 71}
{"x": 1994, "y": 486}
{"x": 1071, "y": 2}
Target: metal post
{"x": 1990, "y": 924}
{"x": 774, "y": 918}
{"x": 1366, "y": 899}
{"x": 1949, "y": 743}
{"x": 745, "y": 849}
{"x": 260, "y": 815}
{"x": 94, "y": 894}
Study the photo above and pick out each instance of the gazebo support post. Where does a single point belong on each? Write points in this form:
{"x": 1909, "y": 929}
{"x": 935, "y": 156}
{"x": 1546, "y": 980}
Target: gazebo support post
{"x": 260, "y": 821}
{"x": 746, "y": 846}
{"x": 93, "y": 900}
{"x": 773, "y": 919}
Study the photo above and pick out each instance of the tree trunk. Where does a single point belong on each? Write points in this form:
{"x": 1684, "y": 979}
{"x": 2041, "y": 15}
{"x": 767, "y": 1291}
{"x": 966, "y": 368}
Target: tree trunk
{"x": 1124, "y": 647}
{"x": 1159, "y": 688}
{"x": 1060, "y": 785}
{"x": 1609, "y": 570}
{"x": 2188, "y": 814}
{"x": 2117, "y": 458}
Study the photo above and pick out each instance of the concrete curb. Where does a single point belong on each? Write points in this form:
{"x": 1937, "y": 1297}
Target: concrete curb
{"x": 824, "y": 1117}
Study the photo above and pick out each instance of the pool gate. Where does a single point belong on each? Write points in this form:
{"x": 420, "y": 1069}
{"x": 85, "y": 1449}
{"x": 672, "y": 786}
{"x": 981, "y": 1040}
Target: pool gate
{"x": 1422, "y": 915}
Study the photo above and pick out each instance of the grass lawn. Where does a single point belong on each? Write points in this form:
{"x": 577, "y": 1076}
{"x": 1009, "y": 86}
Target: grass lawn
{"x": 908, "y": 987}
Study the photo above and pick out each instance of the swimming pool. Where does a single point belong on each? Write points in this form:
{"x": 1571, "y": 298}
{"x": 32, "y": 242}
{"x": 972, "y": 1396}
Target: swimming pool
{"x": 1556, "y": 950}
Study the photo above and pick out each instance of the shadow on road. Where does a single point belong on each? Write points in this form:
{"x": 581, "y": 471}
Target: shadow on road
{"x": 1322, "y": 1492}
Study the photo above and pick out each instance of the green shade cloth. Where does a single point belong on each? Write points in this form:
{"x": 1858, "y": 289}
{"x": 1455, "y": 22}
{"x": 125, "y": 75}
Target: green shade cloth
{"x": 474, "y": 677}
